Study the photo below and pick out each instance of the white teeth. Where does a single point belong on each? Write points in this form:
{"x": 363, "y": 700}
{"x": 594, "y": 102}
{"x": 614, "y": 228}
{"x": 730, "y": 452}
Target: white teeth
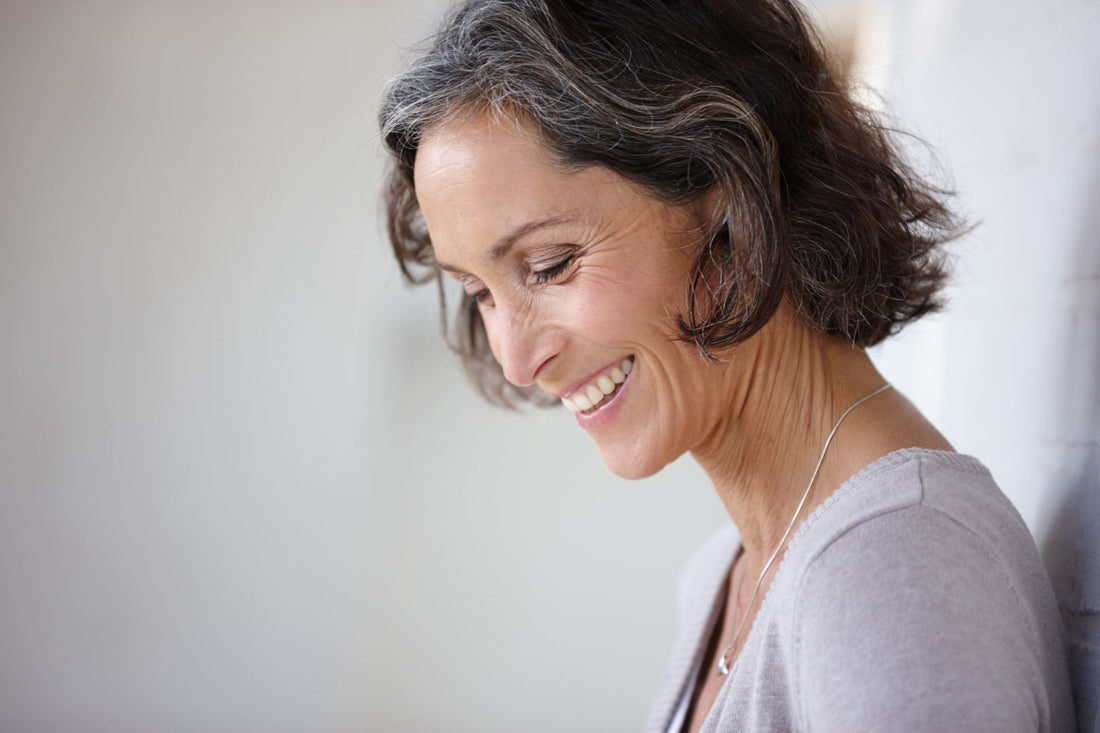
{"x": 604, "y": 386}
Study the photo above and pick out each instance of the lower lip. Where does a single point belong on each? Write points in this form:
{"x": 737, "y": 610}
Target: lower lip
{"x": 607, "y": 410}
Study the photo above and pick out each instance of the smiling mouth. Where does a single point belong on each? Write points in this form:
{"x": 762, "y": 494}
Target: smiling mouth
{"x": 588, "y": 399}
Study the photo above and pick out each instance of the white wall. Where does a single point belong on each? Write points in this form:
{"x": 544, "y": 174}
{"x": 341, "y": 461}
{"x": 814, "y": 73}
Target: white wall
{"x": 191, "y": 290}
{"x": 243, "y": 486}
{"x": 1007, "y": 93}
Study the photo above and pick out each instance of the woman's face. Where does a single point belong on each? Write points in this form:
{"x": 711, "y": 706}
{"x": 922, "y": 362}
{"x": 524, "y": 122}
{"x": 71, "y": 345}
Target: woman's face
{"x": 579, "y": 277}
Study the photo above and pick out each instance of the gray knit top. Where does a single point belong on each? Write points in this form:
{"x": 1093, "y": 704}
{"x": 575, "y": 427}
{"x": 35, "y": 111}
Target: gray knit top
{"x": 913, "y": 599}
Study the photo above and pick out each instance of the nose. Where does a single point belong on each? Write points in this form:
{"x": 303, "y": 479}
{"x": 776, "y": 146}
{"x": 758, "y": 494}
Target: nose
{"x": 521, "y": 344}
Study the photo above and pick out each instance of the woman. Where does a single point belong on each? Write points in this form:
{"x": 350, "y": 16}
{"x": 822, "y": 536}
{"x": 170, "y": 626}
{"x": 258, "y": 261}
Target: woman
{"x": 670, "y": 218}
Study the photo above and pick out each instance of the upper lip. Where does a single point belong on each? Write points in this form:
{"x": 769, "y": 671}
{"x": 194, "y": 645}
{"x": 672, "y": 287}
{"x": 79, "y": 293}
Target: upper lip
{"x": 562, "y": 394}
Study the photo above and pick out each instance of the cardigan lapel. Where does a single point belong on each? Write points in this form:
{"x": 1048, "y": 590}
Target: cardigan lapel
{"x": 700, "y": 600}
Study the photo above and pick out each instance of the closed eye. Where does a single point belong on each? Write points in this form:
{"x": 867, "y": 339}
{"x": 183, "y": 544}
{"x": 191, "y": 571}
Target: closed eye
{"x": 475, "y": 289}
{"x": 552, "y": 272}
{"x": 479, "y": 296}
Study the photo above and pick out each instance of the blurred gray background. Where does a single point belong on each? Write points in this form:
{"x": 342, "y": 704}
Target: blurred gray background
{"x": 243, "y": 486}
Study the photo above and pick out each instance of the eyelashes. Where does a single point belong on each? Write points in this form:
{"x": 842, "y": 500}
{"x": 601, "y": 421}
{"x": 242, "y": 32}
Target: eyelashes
{"x": 539, "y": 274}
{"x": 554, "y": 271}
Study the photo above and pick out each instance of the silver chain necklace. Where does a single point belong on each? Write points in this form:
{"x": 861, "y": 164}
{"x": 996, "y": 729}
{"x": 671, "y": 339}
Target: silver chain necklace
{"x": 723, "y": 667}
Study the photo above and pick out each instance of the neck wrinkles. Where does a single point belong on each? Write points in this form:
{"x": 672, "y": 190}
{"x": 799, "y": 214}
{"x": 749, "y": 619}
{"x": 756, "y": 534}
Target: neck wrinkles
{"x": 765, "y": 444}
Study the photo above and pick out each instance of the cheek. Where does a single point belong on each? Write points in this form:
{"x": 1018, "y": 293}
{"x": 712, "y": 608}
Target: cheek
{"x": 597, "y": 311}
{"x": 623, "y": 310}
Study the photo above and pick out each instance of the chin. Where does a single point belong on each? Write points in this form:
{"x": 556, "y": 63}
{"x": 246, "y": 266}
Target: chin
{"x": 631, "y": 465}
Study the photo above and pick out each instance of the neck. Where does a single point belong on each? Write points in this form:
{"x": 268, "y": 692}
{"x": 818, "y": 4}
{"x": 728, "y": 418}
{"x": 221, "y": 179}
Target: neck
{"x": 765, "y": 446}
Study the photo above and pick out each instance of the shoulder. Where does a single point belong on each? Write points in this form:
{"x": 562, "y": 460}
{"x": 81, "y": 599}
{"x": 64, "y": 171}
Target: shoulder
{"x": 921, "y": 601}
{"x": 915, "y": 498}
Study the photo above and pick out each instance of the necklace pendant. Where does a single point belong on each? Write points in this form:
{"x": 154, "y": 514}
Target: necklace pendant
{"x": 722, "y": 668}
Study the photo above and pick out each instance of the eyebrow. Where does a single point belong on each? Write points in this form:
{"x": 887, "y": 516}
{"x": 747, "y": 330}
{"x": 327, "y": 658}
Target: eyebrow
{"x": 506, "y": 242}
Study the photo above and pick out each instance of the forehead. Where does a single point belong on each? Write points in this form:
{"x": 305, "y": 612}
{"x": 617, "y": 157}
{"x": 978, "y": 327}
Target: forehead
{"x": 479, "y": 176}
{"x": 489, "y": 151}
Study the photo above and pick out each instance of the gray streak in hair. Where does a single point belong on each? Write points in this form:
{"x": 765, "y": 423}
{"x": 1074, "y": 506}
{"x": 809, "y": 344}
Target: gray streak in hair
{"x": 731, "y": 100}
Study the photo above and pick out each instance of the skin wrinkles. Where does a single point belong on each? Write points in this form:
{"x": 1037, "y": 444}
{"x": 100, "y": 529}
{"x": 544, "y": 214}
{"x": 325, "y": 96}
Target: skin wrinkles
{"x": 505, "y": 243}
{"x": 574, "y": 326}
{"x": 755, "y": 421}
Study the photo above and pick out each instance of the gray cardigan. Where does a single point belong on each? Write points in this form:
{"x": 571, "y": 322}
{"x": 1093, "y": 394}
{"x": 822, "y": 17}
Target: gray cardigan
{"x": 913, "y": 599}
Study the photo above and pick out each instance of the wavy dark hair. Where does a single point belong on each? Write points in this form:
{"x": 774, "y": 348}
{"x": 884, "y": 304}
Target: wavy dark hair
{"x": 732, "y": 99}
